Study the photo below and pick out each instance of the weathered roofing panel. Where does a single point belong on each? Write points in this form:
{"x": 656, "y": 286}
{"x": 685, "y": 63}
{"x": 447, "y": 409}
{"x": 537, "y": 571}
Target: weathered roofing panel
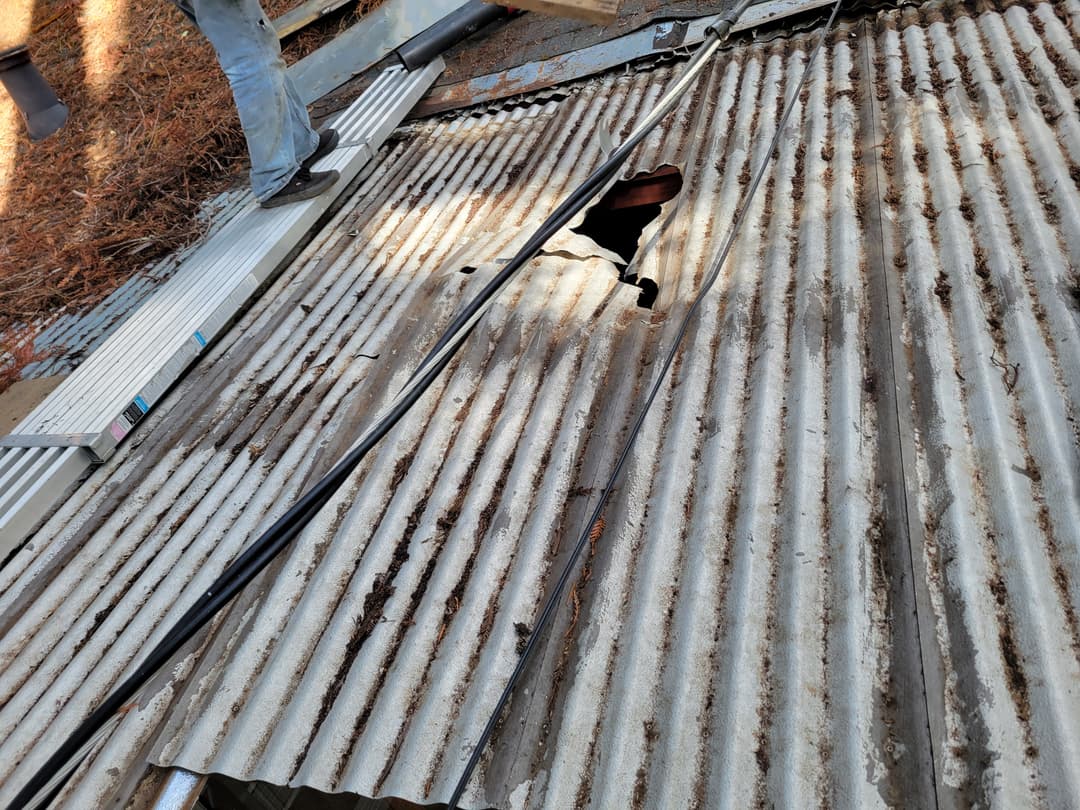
{"x": 843, "y": 568}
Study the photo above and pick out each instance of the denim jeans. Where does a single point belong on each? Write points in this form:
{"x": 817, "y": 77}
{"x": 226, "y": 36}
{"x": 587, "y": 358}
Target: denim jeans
{"x": 275, "y": 121}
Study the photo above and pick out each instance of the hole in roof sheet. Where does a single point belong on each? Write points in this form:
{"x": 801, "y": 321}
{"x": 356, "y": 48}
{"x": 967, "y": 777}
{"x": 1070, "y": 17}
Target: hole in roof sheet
{"x": 649, "y": 290}
{"x": 1074, "y": 292}
{"x": 617, "y": 221}
{"x": 225, "y": 793}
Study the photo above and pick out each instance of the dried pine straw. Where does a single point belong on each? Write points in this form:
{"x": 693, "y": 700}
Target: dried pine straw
{"x": 119, "y": 185}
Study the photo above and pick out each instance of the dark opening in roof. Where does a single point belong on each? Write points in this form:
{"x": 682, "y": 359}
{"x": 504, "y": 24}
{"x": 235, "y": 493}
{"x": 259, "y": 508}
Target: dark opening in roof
{"x": 617, "y": 221}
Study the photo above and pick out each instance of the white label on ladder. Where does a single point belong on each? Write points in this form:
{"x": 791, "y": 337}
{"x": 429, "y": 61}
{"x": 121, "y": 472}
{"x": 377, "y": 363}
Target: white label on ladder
{"x": 131, "y": 416}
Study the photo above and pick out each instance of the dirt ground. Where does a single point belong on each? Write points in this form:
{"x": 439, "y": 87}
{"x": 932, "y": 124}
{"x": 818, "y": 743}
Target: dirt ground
{"x": 22, "y": 397}
{"x": 152, "y": 133}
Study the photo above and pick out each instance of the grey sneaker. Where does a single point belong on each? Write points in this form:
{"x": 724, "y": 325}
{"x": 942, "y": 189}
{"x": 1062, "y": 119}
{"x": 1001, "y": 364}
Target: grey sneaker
{"x": 328, "y": 141}
{"x": 304, "y": 185}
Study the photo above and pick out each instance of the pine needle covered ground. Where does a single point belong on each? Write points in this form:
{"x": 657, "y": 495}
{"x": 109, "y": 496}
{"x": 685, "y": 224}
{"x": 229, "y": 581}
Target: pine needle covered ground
{"x": 152, "y": 134}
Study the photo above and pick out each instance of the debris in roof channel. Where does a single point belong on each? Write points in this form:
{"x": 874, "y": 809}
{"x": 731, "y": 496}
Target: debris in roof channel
{"x": 49, "y": 779}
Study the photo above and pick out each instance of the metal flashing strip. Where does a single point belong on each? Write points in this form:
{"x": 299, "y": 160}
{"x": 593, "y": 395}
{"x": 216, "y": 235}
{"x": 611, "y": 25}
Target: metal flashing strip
{"x": 180, "y": 790}
{"x": 652, "y": 40}
{"x": 97, "y": 406}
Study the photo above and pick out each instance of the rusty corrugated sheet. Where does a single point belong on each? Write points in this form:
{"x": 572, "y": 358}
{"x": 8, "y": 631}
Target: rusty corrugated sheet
{"x": 842, "y": 569}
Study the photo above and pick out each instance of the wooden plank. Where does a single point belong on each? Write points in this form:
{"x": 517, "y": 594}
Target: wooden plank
{"x": 305, "y": 14}
{"x": 601, "y": 12}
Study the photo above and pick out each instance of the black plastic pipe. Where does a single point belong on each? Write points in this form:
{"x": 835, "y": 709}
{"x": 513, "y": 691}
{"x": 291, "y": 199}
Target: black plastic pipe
{"x": 43, "y": 111}
{"x": 449, "y": 31}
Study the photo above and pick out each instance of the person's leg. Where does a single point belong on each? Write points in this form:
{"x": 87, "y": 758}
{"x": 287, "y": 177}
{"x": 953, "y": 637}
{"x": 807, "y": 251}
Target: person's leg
{"x": 300, "y": 122}
{"x": 275, "y": 122}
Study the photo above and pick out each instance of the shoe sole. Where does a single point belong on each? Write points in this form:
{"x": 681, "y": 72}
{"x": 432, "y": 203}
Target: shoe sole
{"x": 312, "y": 191}
{"x": 321, "y": 151}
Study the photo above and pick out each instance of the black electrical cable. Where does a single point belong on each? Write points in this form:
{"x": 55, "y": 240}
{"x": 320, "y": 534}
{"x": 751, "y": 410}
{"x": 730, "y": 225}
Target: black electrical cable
{"x": 261, "y": 552}
{"x": 583, "y": 541}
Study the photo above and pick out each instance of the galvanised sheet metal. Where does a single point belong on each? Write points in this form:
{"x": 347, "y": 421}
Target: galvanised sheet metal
{"x": 32, "y": 481}
{"x": 842, "y": 569}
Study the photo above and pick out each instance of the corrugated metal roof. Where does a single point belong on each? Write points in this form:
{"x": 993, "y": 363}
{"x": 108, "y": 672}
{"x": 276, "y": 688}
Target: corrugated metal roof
{"x": 844, "y": 566}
